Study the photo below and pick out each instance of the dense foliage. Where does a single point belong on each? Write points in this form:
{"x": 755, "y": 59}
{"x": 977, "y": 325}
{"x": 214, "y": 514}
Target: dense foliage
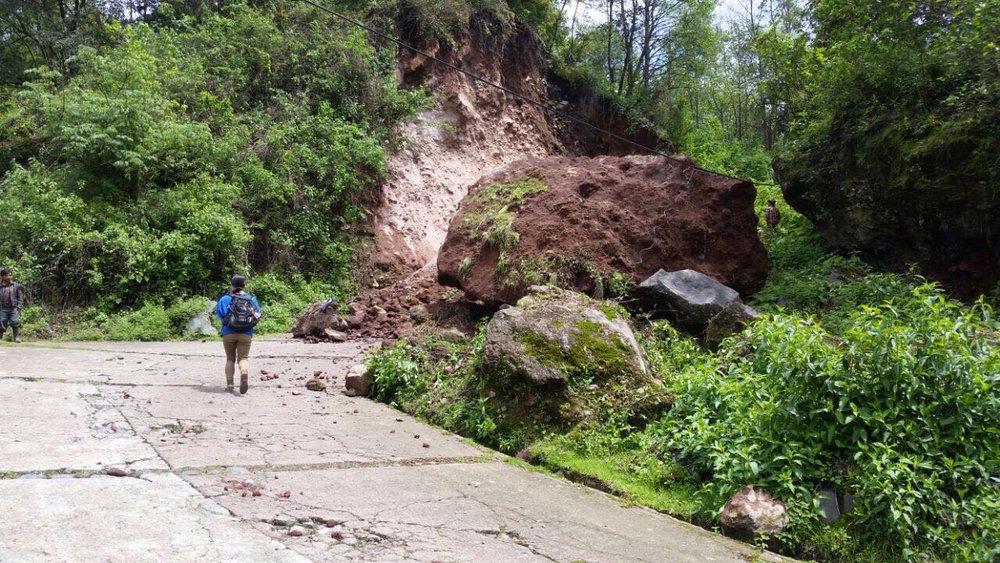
{"x": 903, "y": 409}
{"x": 854, "y": 380}
{"x": 893, "y": 147}
{"x": 184, "y": 150}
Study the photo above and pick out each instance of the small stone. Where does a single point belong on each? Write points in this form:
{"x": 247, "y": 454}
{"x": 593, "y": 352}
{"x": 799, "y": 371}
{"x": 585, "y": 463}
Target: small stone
{"x": 296, "y": 393}
{"x": 335, "y": 335}
{"x": 297, "y": 531}
{"x": 337, "y": 535}
{"x": 426, "y": 445}
{"x": 332, "y": 522}
{"x": 284, "y": 494}
{"x": 115, "y": 472}
{"x": 316, "y": 385}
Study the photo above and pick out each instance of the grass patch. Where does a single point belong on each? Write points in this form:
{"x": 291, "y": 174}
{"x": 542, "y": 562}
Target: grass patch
{"x": 632, "y": 475}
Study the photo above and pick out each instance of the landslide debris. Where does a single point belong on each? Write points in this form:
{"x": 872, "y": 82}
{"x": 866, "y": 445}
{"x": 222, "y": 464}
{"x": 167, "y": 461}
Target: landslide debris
{"x": 585, "y": 222}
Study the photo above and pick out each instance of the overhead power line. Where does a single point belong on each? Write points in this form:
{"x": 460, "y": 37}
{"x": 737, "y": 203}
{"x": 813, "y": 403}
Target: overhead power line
{"x": 478, "y": 78}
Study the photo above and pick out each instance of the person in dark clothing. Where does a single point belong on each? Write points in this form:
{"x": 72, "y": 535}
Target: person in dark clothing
{"x": 11, "y": 302}
{"x": 239, "y": 312}
{"x": 771, "y": 214}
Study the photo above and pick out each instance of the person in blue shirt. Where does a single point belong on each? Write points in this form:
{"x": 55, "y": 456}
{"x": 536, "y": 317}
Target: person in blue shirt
{"x": 239, "y": 312}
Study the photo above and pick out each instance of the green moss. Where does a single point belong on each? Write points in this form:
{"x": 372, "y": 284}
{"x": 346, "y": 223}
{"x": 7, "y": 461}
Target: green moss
{"x": 591, "y": 351}
{"x": 604, "y": 352}
{"x": 494, "y": 208}
{"x": 548, "y": 352}
{"x": 464, "y": 266}
{"x": 612, "y": 310}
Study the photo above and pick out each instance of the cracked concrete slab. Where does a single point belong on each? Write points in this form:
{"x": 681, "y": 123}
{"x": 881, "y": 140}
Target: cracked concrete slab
{"x": 364, "y": 482}
{"x": 200, "y": 427}
{"x": 460, "y": 512}
{"x": 47, "y": 426}
{"x": 39, "y": 363}
{"x": 111, "y": 519}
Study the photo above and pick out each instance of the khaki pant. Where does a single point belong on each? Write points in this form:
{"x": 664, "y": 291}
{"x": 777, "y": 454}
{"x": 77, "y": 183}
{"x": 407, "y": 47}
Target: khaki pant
{"x": 237, "y": 347}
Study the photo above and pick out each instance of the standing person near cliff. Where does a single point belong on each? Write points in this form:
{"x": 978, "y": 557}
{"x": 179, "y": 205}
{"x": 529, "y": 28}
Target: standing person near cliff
{"x": 11, "y": 302}
{"x": 771, "y": 214}
{"x": 239, "y": 313}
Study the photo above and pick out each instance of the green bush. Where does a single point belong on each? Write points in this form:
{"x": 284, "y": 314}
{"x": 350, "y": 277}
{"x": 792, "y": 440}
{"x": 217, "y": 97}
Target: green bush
{"x": 240, "y": 140}
{"x": 149, "y": 323}
{"x": 904, "y": 411}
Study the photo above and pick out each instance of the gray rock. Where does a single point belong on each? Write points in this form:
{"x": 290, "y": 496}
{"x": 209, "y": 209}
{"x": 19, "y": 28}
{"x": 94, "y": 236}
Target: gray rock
{"x": 551, "y": 333}
{"x": 730, "y": 320}
{"x": 752, "y": 512}
{"x": 419, "y": 313}
{"x": 297, "y": 531}
{"x": 688, "y": 298}
{"x": 828, "y": 506}
{"x": 201, "y": 324}
{"x": 453, "y": 335}
{"x": 335, "y": 335}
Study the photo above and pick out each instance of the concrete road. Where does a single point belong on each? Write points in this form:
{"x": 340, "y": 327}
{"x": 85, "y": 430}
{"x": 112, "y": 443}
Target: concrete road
{"x": 279, "y": 474}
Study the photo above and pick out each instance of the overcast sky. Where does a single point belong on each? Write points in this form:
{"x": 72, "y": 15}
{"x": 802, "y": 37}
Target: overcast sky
{"x": 590, "y": 15}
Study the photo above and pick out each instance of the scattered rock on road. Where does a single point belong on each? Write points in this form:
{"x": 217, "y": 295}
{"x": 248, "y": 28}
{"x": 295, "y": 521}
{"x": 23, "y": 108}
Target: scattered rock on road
{"x": 358, "y": 380}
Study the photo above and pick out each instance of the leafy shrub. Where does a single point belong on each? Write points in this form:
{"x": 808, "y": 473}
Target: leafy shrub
{"x": 174, "y": 155}
{"x": 904, "y": 411}
{"x": 446, "y": 20}
{"x": 282, "y": 300}
{"x": 149, "y": 323}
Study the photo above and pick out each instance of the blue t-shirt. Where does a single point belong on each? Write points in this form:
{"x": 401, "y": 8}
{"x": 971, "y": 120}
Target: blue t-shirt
{"x": 223, "y": 307}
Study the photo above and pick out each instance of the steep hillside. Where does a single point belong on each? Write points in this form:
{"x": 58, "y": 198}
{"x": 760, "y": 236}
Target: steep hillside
{"x": 471, "y": 129}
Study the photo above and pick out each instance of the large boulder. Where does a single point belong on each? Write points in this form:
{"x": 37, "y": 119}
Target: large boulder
{"x": 900, "y": 195}
{"x": 583, "y": 222}
{"x": 552, "y": 334}
{"x": 691, "y": 300}
{"x": 752, "y": 513}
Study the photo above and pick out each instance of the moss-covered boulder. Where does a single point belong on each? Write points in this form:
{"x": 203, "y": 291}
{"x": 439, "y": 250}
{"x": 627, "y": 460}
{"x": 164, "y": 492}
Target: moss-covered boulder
{"x": 554, "y": 335}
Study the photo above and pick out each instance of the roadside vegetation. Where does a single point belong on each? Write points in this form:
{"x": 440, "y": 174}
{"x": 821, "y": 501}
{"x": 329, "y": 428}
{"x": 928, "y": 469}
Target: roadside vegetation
{"x": 166, "y": 155}
{"x": 149, "y": 150}
{"x": 874, "y": 383}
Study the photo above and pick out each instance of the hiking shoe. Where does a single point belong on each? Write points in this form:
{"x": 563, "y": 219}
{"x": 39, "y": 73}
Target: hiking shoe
{"x": 244, "y": 383}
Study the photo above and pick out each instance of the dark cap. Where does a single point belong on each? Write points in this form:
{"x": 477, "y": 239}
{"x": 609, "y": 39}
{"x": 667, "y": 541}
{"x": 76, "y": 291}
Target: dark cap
{"x": 238, "y": 281}
{"x": 771, "y": 201}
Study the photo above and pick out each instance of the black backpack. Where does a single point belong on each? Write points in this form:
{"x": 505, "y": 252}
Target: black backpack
{"x": 241, "y": 314}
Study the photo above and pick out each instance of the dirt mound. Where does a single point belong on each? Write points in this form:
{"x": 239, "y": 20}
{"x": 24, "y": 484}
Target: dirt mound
{"x": 390, "y": 312}
{"x": 579, "y": 221}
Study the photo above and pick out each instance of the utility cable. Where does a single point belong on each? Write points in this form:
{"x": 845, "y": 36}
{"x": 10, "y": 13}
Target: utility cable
{"x": 478, "y": 78}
